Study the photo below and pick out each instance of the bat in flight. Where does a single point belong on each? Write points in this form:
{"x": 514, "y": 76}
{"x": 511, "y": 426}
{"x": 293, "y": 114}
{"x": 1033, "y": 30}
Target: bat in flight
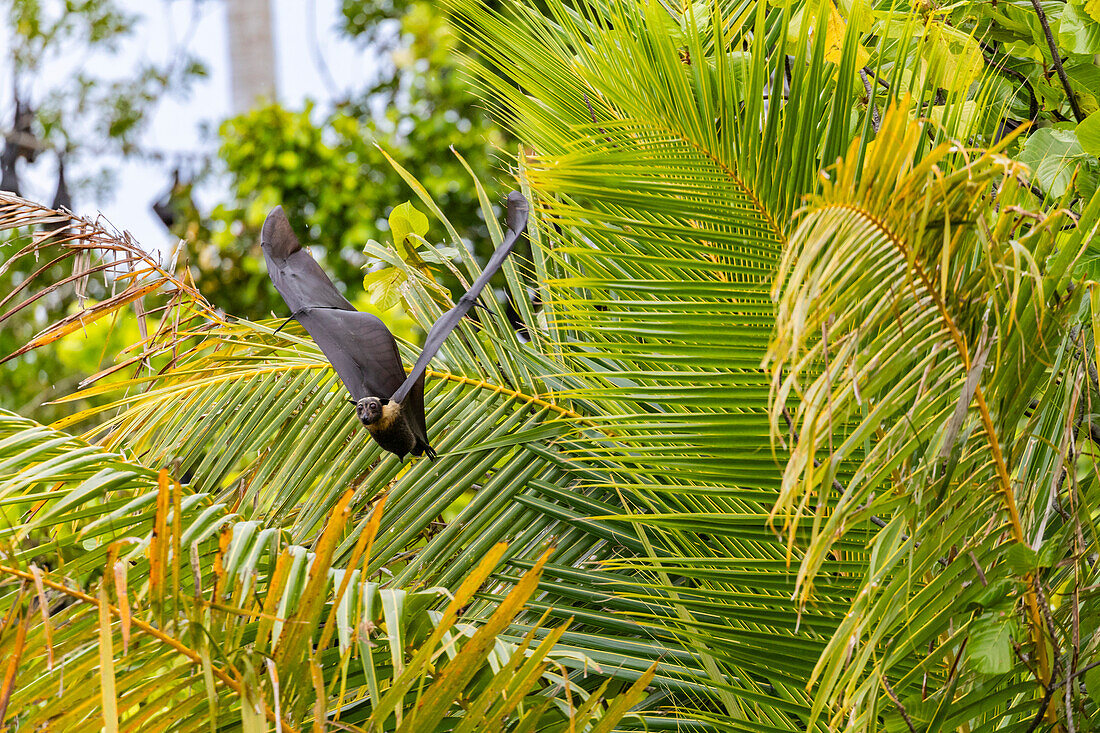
{"x": 359, "y": 346}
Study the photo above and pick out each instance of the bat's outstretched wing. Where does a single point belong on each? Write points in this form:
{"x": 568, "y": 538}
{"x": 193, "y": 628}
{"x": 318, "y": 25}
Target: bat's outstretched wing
{"x": 517, "y": 214}
{"x": 358, "y": 345}
{"x": 360, "y": 348}
{"x": 297, "y": 276}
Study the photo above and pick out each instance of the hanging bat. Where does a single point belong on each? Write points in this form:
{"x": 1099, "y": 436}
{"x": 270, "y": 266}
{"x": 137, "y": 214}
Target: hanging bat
{"x": 360, "y": 347}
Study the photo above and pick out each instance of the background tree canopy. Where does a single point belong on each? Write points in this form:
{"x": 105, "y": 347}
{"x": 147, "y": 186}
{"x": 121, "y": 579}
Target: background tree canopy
{"x": 785, "y": 423}
{"x": 324, "y": 166}
{"x": 328, "y": 171}
{"x": 72, "y": 118}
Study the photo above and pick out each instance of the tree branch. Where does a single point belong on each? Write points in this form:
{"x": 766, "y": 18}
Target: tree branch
{"x": 876, "y": 121}
{"x": 1057, "y": 61}
{"x": 897, "y": 703}
{"x": 879, "y": 80}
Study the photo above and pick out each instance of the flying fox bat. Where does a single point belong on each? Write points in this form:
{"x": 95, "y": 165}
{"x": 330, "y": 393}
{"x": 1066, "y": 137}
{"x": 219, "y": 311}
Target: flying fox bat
{"x": 359, "y": 346}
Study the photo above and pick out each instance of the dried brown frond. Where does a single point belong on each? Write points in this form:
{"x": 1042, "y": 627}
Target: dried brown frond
{"x": 94, "y": 248}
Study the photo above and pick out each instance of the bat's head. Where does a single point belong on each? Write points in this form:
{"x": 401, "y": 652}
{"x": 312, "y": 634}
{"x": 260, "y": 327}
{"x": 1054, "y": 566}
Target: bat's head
{"x": 369, "y": 409}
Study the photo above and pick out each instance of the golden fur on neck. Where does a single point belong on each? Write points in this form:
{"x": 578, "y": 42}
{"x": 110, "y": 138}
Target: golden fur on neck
{"x": 391, "y": 411}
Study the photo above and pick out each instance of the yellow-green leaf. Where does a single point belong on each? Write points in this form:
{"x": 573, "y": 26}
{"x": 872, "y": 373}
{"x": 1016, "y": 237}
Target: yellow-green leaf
{"x": 382, "y": 286}
{"x": 405, "y": 220}
{"x": 462, "y": 668}
{"x": 952, "y": 58}
{"x": 107, "y": 663}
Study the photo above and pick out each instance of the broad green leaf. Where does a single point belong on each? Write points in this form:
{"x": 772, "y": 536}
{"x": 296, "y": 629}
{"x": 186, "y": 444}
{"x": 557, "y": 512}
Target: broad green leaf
{"x": 1092, "y": 684}
{"x": 1084, "y": 74}
{"x": 1088, "y": 134}
{"x": 996, "y": 595}
{"x": 1021, "y": 558}
{"x": 1078, "y": 32}
{"x": 1053, "y": 155}
{"x": 990, "y": 645}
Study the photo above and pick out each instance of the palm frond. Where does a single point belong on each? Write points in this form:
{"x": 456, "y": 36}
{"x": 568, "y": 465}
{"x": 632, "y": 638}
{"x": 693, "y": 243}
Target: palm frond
{"x": 253, "y": 621}
{"x": 668, "y": 153}
{"x": 921, "y": 309}
{"x": 253, "y": 421}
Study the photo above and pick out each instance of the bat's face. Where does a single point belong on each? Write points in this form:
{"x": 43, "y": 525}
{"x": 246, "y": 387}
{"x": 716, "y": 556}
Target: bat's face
{"x": 369, "y": 410}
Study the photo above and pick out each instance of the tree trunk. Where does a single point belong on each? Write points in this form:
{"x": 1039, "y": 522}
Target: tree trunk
{"x": 251, "y": 52}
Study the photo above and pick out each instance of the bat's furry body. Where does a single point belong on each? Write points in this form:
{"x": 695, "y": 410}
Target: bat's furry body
{"x": 394, "y": 433}
{"x": 360, "y": 347}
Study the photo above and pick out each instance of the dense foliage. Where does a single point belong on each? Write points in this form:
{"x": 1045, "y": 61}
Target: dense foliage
{"x": 326, "y": 166}
{"x": 61, "y": 118}
{"x": 794, "y": 432}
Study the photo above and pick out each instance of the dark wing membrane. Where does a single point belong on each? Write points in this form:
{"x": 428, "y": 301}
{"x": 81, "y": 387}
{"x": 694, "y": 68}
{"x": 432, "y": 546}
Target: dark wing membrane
{"x": 517, "y": 215}
{"x": 413, "y": 409}
{"x": 360, "y": 348}
{"x": 297, "y": 276}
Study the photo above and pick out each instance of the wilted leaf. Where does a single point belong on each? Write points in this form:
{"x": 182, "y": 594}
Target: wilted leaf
{"x": 107, "y": 663}
{"x": 12, "y": 668}
{"x": 44, "y": 609}
{"x": 835, "y": 28}
{"x": 834, "y": 38}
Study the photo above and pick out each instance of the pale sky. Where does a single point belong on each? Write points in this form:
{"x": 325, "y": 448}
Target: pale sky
{"x": 177, "y": 124}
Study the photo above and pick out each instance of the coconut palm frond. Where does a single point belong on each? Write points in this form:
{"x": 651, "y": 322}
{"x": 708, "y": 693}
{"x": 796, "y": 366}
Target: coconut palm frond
{"x": 670, "y": 149}
{"x": 253, "y": 420}
{"x": 672, "y": 470}
{"x": 926, "y": 346}
{"x": 95, "y": 250}
{"x": 169, "y": 607}
{"x": 669, "y": 217}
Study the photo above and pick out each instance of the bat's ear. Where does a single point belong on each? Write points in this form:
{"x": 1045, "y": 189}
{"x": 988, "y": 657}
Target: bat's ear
{"x": 277, "y": 237}
{"x": 518, "y": 209}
